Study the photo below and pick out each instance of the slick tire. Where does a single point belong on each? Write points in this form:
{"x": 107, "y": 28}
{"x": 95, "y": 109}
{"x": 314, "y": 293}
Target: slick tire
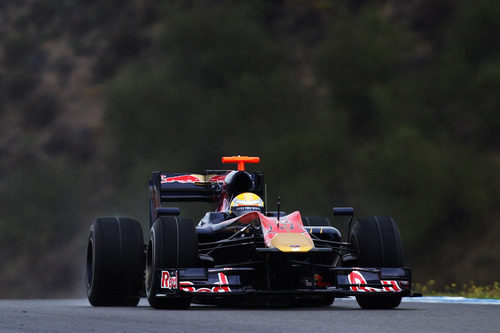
{"x": 316, "y": 221}
{"x": 378, "y": 301}
{"x": 173, "y": 244}
{"x": 377, "y": 243}
{"x": 115, "y": 262}
{"x": 325, "y": 300}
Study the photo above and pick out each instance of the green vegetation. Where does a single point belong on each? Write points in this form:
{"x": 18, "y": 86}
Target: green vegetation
{"x": 388, "y": 106}
{"x": 469, "y": 289}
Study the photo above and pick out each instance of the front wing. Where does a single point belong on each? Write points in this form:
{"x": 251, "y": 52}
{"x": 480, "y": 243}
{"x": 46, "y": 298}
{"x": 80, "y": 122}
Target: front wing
{"x": 227, "y": 282}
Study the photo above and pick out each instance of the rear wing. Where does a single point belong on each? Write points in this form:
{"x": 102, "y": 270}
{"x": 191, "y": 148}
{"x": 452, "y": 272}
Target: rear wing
{"x": 178, "y": 187}
{"x": 206, "y": 187}
{"x": 181, "y": 187}
{"x": 209, "y": 186}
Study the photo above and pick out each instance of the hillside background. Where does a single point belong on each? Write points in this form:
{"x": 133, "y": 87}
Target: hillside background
{"x": 388, "y": 106}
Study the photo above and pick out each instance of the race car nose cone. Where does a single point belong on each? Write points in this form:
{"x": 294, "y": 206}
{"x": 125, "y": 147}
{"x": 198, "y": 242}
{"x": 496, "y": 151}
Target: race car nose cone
{"x": 292, "y": 242}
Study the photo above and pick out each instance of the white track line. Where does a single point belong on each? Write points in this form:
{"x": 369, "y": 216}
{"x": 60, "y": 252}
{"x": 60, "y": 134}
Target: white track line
{"x": 441, "y": 299}
{"x": 449, "y": 299}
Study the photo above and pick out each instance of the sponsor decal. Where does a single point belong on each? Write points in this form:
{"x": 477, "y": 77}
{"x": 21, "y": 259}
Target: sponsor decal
{"x": 224, "y": 206}
{"x": 212, "y": 270}
{"x": 357, "y": 279}
{"x": 180, "y": 179}
{"x": 391, "y": 285}
{"x": 319, "y": 281}
{"x": 169, "y": 280}
{"x": 285, "y": 232}
{"x": 217, "y": 178}
{"x": 291, "y": 223}
{"x": 221, "y": 286}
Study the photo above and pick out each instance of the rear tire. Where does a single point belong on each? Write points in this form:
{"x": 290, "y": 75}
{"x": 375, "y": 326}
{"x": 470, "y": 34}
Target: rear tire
{"x": 316, "y": 221}
{"x": 173, "y": 244}
{"x": 115, "y": 262}
{"x": 377, "y": 243}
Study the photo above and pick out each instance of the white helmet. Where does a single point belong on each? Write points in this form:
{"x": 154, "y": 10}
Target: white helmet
{"x": 246, "y": 202}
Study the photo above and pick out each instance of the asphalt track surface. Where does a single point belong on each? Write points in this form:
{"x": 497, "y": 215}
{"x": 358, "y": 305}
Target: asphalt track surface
{"x": 343, "y": 316}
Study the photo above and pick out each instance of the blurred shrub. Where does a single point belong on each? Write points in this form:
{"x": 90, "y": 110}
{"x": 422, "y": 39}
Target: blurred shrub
{"x": 123, "y": 45}
{"x": 22, "y": 50}
{"x": 40, "y": 110}
{"x": 40, "y": 206}
{"x": 358, "y": 52}
{"x": 219, "y": 85}
{"x": 18, "y": 84}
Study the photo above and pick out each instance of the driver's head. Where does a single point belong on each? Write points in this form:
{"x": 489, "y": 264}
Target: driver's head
{"x": 246, "y": 202}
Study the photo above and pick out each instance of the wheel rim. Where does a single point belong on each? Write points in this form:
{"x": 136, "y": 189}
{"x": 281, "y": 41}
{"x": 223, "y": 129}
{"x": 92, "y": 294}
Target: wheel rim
{"x": 149, "y": 267}
{"x": 355, "y": 247}
{"x": 90, "y": 264}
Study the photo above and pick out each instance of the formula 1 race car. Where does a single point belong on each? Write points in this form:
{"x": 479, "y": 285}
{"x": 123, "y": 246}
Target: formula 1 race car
{"x": 241, "y": 254}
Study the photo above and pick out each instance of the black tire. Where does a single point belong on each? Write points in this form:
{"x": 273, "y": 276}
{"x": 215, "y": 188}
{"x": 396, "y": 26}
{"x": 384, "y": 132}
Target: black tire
{"x": 324, "y": 300}
{"x": 377, "y": 243}
{"x": 315, "y": 221}
{"x": 379, "y": 301}
{"x": 115, "y": 262}
{"x": 173, "y": 244}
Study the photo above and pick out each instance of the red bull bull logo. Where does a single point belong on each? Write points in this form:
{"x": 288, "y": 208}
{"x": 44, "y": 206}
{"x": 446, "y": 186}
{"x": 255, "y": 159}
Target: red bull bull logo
{"x": 217, "y": 178}
{"x": 180, "y": 179}
{"x": 220, "y": 287}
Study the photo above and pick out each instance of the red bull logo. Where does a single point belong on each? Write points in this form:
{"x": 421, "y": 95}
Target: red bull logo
{"x": 220, "y": 287}
{"x": 180, "y": 179}
{"x": 358, "y": 283}
{"x": 217, "y": 178}
{"x": 168, "y": 280}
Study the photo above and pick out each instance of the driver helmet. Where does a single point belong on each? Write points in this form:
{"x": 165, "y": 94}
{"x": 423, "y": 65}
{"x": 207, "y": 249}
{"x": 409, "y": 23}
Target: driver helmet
{"x": 246, "y": 202}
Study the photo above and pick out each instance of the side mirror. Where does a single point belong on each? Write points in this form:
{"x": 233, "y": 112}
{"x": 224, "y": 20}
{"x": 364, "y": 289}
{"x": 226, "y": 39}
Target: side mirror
{"x": 343, "y": 211}
{"x": 168, "y": 211}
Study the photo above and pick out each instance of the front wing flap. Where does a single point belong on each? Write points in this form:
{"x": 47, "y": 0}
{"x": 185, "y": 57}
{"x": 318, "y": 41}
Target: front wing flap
{"x": 343, "y": 281}
{"x": 355, "y": 280}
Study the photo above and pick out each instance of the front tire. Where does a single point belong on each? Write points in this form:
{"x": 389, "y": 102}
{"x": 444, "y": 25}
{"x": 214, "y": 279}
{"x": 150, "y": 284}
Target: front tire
{"x": 173, "y": 244}
{"x": 378, "y": 301}
{"x": 376, "y": 242}
{"x": 325, "y": 300}
{"x": 115, "y": 262}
